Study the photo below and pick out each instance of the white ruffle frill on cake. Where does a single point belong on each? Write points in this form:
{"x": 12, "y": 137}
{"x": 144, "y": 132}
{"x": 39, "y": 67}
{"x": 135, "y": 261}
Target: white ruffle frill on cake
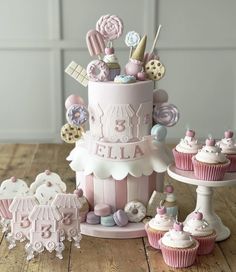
{"x": 155, "y": 157}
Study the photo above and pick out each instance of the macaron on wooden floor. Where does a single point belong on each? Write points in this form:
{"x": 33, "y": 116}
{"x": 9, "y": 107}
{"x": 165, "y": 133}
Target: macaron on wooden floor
{"x": 98, "y": 255}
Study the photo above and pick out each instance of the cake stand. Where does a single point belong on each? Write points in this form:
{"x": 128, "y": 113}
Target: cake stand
{"x": 205, "y": 197}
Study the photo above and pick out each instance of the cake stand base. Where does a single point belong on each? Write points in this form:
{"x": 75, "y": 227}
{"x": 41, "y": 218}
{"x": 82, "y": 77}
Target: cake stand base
{"x": 205, "y": 205}
{"x": 132, "y": 230}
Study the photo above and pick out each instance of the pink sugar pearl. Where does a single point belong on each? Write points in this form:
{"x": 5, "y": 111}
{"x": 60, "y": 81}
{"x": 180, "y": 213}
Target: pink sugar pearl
{"x": 169, "y": 189}
{"x": 47, "y": 172}
{"x": 190, "y": 133}
{"x": 78, "y": 192}
{"x": 109, "y": 50}
{"x": 178, "y": 226}
{"x": 197, "y": 215}
{"x": 229, "y": 134}
{"x": 161, "y": 210}
{"x": 141, "y": 76}
{"x": 13, "y": 179}
{"x": 72, "y": 100}
{"x": 210, "y": 142}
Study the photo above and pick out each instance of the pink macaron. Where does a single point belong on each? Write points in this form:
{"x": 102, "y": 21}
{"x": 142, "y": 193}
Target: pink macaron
{"x": 92, "y": 218}
{"x": 121, "y": 218}
{"x": 102, "y": 209}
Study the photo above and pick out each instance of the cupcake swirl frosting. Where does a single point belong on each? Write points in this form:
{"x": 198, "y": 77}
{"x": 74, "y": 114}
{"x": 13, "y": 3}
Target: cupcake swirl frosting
{"x": 177, "y": 239}
{"x": 198, "y": 227}
{"x": 227, "y": 146}
{"x": 188, "y": 145}
{"x": 161, "y": 222}
{"x": 110, "y": 58}
{"x": 211, "y": 154}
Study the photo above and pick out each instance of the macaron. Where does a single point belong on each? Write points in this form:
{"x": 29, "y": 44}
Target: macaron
{"x": 102, "y": 209}
{"x": 107, "y": 221}
{"x": 121, "y": 219}
{"x": 92, "y": 218}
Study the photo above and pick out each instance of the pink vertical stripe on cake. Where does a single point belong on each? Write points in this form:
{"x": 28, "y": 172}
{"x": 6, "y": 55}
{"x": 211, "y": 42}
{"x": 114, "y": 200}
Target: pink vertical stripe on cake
{"x": 152, "y": 183}
{"x": 143, "y": 192}
{"x": 89, "y": 190}
{"x": 98, "y": 190}
{"x": 121, "y": 193}
{"x": 110, "y": 192}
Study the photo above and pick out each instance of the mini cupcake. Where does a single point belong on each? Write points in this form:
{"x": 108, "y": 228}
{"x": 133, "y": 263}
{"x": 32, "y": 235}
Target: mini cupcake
{"x": 178, "y": 248}
{"x": 228, "y": 147}
{"x": 112, "y": 62}
{"x": 202, "y": 232}
{"x": 158, "y": 226}
{"x": 170, "y": 201}
{"x": 210, "y": 163}
{"x": 185, "y": 150}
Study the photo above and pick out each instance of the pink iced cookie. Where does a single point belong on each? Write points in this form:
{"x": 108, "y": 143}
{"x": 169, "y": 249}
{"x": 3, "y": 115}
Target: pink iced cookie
{"x": 102, "y": 209}
{"x": 73, "y": 99}
{"x": 98, "y": 70}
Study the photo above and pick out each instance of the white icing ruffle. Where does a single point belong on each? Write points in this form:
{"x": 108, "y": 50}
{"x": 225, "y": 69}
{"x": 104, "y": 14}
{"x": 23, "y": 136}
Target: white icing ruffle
{"x": 157, "y": 159}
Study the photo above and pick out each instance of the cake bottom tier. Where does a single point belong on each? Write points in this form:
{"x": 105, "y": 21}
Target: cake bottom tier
{"x": 117, "y": 193}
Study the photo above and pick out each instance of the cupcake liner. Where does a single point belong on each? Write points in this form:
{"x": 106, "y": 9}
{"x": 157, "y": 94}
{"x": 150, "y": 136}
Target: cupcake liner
{"x": 232, "y": 166}
{"x": 206, "y": 171}
{"x": 206, "y": 243}
{"x": 179, "y": 257}
{"x": 154, "y": 236}
{"x": 4, "y": 208}
{"x": 183, "y": 161}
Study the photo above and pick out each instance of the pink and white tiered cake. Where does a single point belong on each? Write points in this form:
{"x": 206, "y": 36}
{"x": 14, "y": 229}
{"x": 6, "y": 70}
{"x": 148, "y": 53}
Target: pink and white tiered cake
{"x": 120, "y": 161}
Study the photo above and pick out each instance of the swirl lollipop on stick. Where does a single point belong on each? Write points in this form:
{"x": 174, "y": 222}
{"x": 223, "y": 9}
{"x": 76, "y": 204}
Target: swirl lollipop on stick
{"x": 110, "y": 26}
{"x": 166, "y": 114}
{"x": 132, "y": 39}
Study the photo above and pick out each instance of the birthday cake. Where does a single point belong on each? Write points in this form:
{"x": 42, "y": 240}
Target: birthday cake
{"x": 119, "y": 160}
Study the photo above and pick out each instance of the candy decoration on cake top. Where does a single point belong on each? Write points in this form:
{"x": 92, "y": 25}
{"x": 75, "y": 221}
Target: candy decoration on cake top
{"x": 110, "y": 26}
{"x": 78, "y": 73}
{"x": 132, "y": 39}
{"x": 112, "y": 62}
{"x": 72, "y": 100}
{"x": 95, "y": 43}
{"x": 166, "y": 114}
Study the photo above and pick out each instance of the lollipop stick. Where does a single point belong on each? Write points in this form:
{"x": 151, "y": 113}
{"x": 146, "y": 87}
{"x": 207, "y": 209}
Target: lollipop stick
{"x": 155, "y": 40}
{"x": 130, "y": 51}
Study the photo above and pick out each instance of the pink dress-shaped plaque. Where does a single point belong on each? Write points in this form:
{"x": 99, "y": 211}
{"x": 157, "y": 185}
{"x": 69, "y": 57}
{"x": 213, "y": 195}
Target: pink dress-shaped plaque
{"x": 44, "y": 232}
{"x": 20, "y": 223}
{"x": 69, "y": 205}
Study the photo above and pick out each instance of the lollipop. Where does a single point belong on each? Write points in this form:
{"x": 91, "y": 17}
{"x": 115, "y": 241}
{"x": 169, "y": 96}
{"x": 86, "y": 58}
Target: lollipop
{"x": 110, "y": 26}
{"x": 166, "y": 114}
{"x": 132, "y": 39}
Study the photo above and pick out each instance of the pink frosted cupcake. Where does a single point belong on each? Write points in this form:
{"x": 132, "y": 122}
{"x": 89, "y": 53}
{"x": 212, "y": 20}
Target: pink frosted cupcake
{"x": 202, "y": 232}
{"x": 210, "y": 163}
{"x": 158, "y": 226}
{"x": 185, "y": 150}
{"x": 178, "y": 248}
{"x": 228, "y": 147}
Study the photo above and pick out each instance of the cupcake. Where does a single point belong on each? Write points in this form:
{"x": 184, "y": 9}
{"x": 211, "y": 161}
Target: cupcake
{"x": 112, "y": 62}
{"x": 185, "y": 150}
{"x": 210, "y": 163}
{"x": 202, "y": 232}
{"x": 228, "y": 147}
{"x": 170, "y": 201}
{"x": 178, "y": 248}
{"x": 158, "y": 226}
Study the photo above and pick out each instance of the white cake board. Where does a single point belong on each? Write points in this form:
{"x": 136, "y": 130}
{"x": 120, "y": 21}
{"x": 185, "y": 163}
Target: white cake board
{"x": 204, "y": 197}
{"x": 132, "y": 230}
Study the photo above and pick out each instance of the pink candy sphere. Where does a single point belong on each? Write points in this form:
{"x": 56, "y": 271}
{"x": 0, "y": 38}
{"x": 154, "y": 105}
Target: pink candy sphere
{"x": 229, "y": 134}
{"x": 78, "y": 192}
{"x": 132, "y": 68}
{"x": 141, "y": 76}
{"x": 210, "y": 142}
{"x": 178, "y": 226}
{"x": 160, "y": 96}
{"x": 169, "y": 189}
{"x": 197, "y": 215}
{"x": 109, "y": 50}
{"x": 73, "y": 99}
{"x": 161, "y": 210}
{"x": 190, "y": 133}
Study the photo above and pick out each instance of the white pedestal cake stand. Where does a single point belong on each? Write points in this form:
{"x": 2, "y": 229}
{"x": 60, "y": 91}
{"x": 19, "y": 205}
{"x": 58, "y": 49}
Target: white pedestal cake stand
{"x": 204, "y": 197}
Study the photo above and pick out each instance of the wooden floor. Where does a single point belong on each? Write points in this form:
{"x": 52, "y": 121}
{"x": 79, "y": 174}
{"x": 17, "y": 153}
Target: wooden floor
{"x": 98, "y": 255}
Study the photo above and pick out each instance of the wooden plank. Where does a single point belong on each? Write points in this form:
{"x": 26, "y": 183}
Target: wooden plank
{"x": 109, "y": 255}
{"x": 14, "y": 161}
